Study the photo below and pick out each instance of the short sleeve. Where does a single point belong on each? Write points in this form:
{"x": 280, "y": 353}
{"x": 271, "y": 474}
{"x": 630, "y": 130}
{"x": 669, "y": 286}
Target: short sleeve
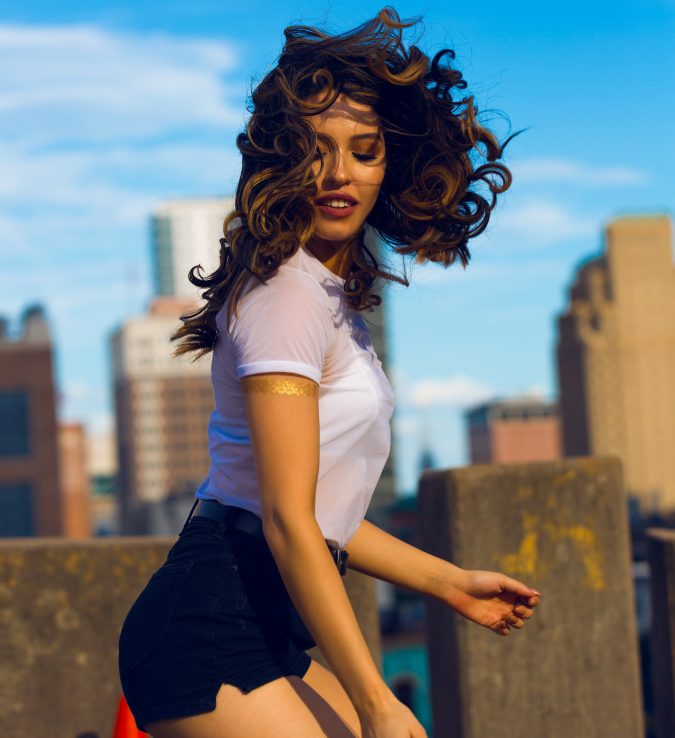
{"x": 285, "y": 325}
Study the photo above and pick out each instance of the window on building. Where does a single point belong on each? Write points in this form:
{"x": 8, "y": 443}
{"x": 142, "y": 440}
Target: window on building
{"x": 16, "y": 510}
{"x": 14, "y": 424}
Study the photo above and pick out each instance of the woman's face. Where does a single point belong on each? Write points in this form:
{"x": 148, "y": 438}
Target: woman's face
{"x": 351, "y": 178}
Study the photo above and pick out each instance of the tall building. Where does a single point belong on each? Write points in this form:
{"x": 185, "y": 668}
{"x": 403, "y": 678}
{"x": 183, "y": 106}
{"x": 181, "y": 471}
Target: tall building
{"x": 514, "y": 430}
{"x": 30, "y": 493}
{"x": 616, "y": 357}
{"x": 162, "y": 407}
{"x": 75, "y": 488}
{"x": 184, "y": 233}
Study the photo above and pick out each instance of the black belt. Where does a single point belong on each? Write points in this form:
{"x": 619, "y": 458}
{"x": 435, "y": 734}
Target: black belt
{"x": 248, "y": 522}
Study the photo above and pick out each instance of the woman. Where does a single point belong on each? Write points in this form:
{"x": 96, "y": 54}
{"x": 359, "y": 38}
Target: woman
{"x": 347, "y": 132}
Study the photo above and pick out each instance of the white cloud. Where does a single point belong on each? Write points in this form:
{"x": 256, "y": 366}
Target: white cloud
{"x": 97, "y": 126}
{"x": 538, "y": 391}
{"x": 456, "y": 391}
{"x": 83, "y": 83}
{"x": 541, "y": 222}
{"x": 428, "y": 275}
{"x": 577, "y": 173}
{"x": 100, "y": 188}
{"x": 526, "y": 237}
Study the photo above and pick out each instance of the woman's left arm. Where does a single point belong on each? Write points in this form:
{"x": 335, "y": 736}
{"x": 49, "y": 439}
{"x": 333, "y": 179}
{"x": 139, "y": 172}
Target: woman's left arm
{"x": 377, "y": 553}
{"x": 488, "y": 598}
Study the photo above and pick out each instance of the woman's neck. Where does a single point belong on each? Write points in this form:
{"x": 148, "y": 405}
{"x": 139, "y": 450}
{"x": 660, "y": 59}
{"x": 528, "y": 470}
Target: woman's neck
{"x": 334, "y": 256}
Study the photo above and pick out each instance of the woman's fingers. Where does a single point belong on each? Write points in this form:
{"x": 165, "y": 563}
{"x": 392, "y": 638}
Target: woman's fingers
{"x": 520, "y": 589}
{"x": 514, "y": 621}
{"x": 529, "y": 602}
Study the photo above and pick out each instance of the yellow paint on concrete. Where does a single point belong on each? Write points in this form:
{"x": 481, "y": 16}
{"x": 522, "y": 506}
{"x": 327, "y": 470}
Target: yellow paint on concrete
{"x": 524, "y": 561}
{"x": 527, "y": 562}
{"x": 12, "y": 560}
{"x": 564, "y": 477}
{"x": 552, "y": 502}
{"x": 524, "y": 492}
{"x": 72, "y": 562}
{"x": 584, "y": 539}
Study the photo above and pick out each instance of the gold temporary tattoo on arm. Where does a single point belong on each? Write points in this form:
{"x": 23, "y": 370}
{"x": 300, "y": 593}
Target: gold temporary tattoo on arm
{"x": 282, "y": 386}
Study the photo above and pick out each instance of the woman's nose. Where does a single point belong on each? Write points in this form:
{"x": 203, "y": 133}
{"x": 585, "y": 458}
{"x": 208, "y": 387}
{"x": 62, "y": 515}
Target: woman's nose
{"x": 337, "y": 171}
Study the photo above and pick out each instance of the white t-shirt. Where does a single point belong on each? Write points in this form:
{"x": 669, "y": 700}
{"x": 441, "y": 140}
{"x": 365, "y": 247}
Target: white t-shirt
{"x": 301, "y": 322}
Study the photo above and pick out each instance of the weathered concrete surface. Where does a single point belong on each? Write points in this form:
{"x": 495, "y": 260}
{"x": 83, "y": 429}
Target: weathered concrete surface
{"x": 562, "y": 528}
{"x": 661, "y": 553}
{"x": 62, "y": 604}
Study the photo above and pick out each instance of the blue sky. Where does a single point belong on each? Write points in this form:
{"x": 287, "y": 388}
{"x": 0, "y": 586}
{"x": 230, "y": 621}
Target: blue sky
{"x": 106, "y": 111}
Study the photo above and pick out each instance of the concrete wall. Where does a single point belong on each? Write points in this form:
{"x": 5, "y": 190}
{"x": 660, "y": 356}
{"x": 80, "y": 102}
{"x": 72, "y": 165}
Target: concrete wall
{"x": 562, "y": 528}
{"x": 62, "y": 604}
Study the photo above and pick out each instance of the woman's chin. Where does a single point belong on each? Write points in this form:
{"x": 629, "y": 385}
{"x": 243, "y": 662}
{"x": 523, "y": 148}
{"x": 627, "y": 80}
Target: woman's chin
{"x": 344, "y": 233}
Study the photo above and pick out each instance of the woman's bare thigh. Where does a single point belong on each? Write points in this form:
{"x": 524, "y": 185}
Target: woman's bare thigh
{"x": 327, "y": 685}
{"x": 288, "y": 707}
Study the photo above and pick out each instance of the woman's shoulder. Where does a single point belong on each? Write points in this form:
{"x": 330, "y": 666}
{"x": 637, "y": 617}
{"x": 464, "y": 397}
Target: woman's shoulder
{"x": 292, "y": 280}
{"x": 296, "y": 276}
{"x": 292, "y": 287}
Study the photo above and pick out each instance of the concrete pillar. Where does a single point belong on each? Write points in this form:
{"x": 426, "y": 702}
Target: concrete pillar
{"x": 562, "y": 528}
{"x": 661, "y": 553}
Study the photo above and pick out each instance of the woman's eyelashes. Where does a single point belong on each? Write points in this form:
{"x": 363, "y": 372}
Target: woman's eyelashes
{"x": 359, "y": 157}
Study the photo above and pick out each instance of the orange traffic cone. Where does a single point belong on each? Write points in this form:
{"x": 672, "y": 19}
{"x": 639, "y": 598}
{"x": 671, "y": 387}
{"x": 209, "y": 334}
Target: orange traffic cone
{"x": 125, "y": 725}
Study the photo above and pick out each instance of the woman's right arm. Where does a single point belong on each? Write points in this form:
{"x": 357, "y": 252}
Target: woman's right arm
{"x": 283, "y": 414}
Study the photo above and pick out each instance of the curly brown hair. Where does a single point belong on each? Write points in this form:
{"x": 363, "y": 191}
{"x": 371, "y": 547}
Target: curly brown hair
{"x": 429, "y": 202}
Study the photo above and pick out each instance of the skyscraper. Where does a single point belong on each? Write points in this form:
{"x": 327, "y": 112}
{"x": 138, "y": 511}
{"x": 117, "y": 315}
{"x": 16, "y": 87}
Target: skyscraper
{"x": 162, "y": 409}
{"x": 186, "y": 232}
{"x": 30, "y": 494}
{"x": 616, "y": 357}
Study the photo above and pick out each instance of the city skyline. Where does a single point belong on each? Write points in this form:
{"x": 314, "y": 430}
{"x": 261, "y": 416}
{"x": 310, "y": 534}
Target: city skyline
{"x": 91, "y": 148}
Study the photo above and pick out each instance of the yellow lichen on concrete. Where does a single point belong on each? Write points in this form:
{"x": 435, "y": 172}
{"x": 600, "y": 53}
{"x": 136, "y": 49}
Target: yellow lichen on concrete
{"x": 11, "y": 560}
{"x": 552, "y": 502}
{"x": 585, "y": 541}
{"x": 564, "y": 477}
{"x": 524, "y": 492}
{"x": 72, "y": 562}
{"x": 526, "y": 560}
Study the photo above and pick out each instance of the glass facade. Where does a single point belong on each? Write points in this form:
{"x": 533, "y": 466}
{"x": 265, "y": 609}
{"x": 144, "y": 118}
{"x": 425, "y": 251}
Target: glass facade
{"x": 14, "y": 424}
{"x": 16, "y": 503}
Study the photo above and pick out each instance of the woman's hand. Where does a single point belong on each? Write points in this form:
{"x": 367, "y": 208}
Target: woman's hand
{"x": 391, "y": 719}
{"x": 491, "y": 599}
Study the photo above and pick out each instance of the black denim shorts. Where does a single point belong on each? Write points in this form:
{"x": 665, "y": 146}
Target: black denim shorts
{"x": 217, "y": 611}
